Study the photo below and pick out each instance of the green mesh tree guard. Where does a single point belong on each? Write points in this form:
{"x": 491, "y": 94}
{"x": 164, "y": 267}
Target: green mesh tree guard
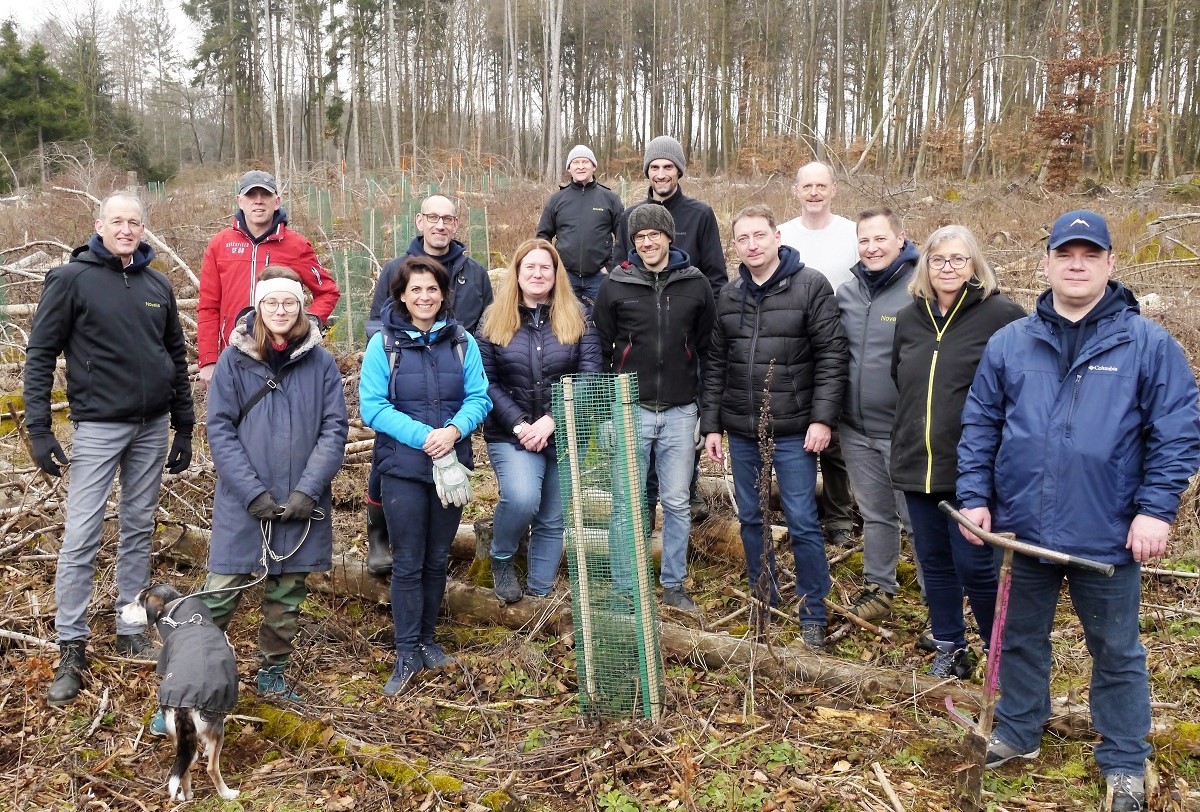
{"x": 347, "y": 323}
{"x": 477, "y": 236}
{"x": 607, "y": 538}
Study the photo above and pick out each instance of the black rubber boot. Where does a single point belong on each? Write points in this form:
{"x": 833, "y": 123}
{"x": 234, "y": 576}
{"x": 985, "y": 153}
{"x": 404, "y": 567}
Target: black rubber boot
{"x": 68, "y": 679}
{"x": 379, "y": 546}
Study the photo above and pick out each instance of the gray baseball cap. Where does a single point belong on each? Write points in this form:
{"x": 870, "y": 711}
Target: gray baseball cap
{"x": 256, "y": 178}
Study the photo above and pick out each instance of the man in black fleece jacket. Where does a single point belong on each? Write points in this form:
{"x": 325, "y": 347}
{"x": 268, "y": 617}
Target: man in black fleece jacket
{"x": 116, "y": 321}
{"x": 654, "y": 316}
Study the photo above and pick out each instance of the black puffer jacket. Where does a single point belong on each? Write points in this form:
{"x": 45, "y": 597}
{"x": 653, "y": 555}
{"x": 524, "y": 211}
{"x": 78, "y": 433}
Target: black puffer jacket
{"x": 657, "y": 325}
{"x": 933, "y": 365}
{"x": 792, "y": 321}
{"x": 581, "y": 220}
{"x": 521, "y": 374}
{"x": 119, "y": 330}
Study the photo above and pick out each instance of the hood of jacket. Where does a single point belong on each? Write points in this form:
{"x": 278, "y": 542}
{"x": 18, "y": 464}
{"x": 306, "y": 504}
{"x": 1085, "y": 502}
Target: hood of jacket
{"x": 449, "y": 260}
{"x": 280, "y": 219}
{"x": 1075, "y": 334}
{"x": 243, "y": 339}
{"x": 634, "y": 270}
{"x": 407, "y": 332}
{"x": 876, "y": 280}
{"x": 143, "y": 255}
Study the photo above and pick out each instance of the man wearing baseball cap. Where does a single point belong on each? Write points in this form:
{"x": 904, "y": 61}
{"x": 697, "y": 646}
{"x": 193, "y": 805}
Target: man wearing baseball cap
{"x": 581, "y": 218}
{"x": 654, "y": 317}
{"x": 1080, "y": 433}
{"x": 258, "y": 236}
{"x": 696, "y": 230}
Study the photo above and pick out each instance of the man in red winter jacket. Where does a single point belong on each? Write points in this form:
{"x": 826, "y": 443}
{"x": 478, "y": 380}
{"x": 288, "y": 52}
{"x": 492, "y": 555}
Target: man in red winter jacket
{"x": 258, "y": 237}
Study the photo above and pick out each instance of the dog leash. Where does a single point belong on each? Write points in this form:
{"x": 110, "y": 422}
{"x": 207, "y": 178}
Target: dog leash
{"x": 266, "y": 528}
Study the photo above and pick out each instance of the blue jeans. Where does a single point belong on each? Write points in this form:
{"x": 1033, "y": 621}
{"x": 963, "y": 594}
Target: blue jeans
{"x": 98, "y": 450}
{"x": 671, "y": 436}
{"x": 951, "y": 566}
{"x": 796, "y": 472}
{"x": 421, "y": 531}
{"x": 529, "y": 500}
{"x": 1120, "y": 690}
{"x": 869, "y": 464}
{"x": 586, "y": 287}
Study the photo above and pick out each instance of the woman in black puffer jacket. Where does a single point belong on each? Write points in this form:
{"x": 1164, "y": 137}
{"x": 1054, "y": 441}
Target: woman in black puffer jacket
{"x": 531, "y": 336}
{"x": 939, "y": 341}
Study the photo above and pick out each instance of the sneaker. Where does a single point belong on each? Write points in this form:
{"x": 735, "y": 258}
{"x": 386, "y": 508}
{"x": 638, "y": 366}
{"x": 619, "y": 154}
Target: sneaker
{"x": 270, "y": 683}
{"x": 872, "y": 604}
{"x": 136, "y": 645}
{"x": 676, "y": 597}
{"x": 504, "y": 580}
{"x": 432, "y": 656}
{"x": 840, "y": 538}
{"x": 68, "y": 679}
{"x": 1123, "y": 793}
{"x": 1001, "y": 752}
{"x": 158, "y": 724}
{"x": 813, "y": 636}
{"x": 952, "y": 660}
{"x": 408, "y": 665}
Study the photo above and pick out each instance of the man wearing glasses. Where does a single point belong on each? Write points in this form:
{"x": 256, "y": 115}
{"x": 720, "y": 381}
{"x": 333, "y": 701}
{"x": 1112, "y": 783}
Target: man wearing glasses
{"x": 470, "y": 294}
{"x": 655, "y": 317}
{"x": 259, "y": 236}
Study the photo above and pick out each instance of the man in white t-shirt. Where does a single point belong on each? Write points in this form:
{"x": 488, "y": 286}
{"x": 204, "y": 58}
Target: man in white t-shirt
{"x": 829, "y": 244}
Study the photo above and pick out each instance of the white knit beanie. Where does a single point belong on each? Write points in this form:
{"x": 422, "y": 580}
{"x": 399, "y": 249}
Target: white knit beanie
{"x": 580, "y": 151}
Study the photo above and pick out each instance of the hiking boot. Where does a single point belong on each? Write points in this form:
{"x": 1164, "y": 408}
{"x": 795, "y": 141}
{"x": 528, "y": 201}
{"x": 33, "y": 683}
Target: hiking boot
{"x": 68, "y": 679}
{"x": 925, "y": 641}
{"x": 139, "y": 646}
{"x": 1123, "y": 793}
{"x": 872, "y": 604}
{"x": 676, "y": 597}
{"x": 270, "y": 683}
{"x": 813, "y": 637}
{"x": 408, "y": 665}
{"x": 952, "y": 660}
{"x": 699, "y": 508}
{"x": 379, "y": 546}
{"x": 158, "y": 724}
{"x": 432, "y": 656}
{"x": 1001, "y": 752}
{"x": 840, "y": 538}
{"x": 504, "y": 580}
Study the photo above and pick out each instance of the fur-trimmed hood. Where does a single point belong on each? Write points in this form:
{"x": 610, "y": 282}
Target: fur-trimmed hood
{"x": 243, "y": 339}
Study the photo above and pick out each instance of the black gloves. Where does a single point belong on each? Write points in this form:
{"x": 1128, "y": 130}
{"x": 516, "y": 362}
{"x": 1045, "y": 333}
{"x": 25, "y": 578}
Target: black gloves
{"x": 263, "y": 507}
{"x": 180, "y": 456}
{"x": 46, "y": 450}
{"x": 299, "y": 508}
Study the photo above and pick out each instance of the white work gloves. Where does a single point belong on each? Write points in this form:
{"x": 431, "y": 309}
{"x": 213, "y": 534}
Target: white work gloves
{"x": 452, "y": 480}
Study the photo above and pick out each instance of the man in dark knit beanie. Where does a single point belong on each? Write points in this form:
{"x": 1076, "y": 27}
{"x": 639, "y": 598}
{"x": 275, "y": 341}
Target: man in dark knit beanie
{"x": 654, "y": 316}
{"x": 696, "y": 231}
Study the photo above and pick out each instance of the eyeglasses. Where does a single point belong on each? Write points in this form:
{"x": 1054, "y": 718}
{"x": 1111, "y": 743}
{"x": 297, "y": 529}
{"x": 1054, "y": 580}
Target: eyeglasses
{"x": 275, "y": 305}
{"x": 956, "y": 262}
{"x": 648, "y": 236}
{"x": 445, "y": 219}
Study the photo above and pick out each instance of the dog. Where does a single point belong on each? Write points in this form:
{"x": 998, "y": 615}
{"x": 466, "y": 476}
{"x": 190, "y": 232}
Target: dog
{"x": 199, "y": 682}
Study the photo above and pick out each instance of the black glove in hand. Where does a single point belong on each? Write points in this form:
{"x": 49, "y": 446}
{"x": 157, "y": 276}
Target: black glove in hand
{"x": 180, "y": 456}
{"x": 264, "y": 507}
{"x": 299, "y": 508}
{"x": 46, "y": 450}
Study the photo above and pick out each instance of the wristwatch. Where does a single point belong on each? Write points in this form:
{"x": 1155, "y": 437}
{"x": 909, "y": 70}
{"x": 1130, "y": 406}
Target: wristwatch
{"x": 519, "y": 429}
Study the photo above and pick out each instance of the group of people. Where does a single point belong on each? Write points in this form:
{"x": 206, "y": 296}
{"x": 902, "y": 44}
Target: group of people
{"x": 903, "y": 374}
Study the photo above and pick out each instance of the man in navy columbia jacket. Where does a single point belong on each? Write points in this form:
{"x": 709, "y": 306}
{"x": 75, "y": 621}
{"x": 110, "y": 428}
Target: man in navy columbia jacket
{"x": 1080, "y": 433}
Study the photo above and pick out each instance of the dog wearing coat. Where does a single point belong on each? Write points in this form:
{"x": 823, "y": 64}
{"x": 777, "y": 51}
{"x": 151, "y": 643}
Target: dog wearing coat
{"x": 199, "y": 682}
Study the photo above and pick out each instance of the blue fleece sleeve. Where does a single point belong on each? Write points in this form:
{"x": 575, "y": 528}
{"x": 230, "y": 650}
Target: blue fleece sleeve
{"x": 476, "y": 404}
{"x": 377, "y": 411}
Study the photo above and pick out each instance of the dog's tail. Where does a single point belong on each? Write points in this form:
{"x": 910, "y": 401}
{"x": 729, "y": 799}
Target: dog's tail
{"x": 185, "y": 740}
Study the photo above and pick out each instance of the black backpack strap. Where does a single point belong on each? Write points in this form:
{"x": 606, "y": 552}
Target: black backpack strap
{"x": 271, "y": 385}
{"x": 393, "y": 350}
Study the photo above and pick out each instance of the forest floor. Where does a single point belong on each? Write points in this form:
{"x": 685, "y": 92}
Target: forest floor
{"x": 504, "y": 729}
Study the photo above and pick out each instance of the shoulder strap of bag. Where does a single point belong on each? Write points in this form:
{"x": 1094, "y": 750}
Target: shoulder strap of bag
{"x": 271, "y": 385}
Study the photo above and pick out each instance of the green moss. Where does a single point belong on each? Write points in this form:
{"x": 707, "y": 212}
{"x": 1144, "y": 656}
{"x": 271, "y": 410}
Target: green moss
{"x": 1182, "y": 738}
{"x": 496, "y": 800}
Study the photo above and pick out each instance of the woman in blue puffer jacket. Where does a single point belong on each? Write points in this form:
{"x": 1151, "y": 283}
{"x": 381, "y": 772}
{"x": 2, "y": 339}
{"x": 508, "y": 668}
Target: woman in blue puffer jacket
{"x": 531, "y": 336}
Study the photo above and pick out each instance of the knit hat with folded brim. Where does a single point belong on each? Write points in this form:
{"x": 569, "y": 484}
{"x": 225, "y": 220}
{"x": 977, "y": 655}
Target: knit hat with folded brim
{"x": 651, "y": 217}
{"x": 580, "y": 151}
{"x": 664, "y": 147}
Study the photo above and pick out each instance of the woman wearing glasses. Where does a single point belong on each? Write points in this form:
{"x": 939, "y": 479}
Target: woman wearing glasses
{"x": 276, "y": 450}
{"x": 532, "y": 335}
{"x": 939, "y": 340}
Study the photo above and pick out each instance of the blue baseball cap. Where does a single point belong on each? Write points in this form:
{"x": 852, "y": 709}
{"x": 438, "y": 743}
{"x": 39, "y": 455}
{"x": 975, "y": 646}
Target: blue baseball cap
{"x": 1080, "y": 225}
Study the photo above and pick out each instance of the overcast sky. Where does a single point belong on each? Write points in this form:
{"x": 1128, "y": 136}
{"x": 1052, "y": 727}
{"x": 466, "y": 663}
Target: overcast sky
{"x": 30, "y": 14}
